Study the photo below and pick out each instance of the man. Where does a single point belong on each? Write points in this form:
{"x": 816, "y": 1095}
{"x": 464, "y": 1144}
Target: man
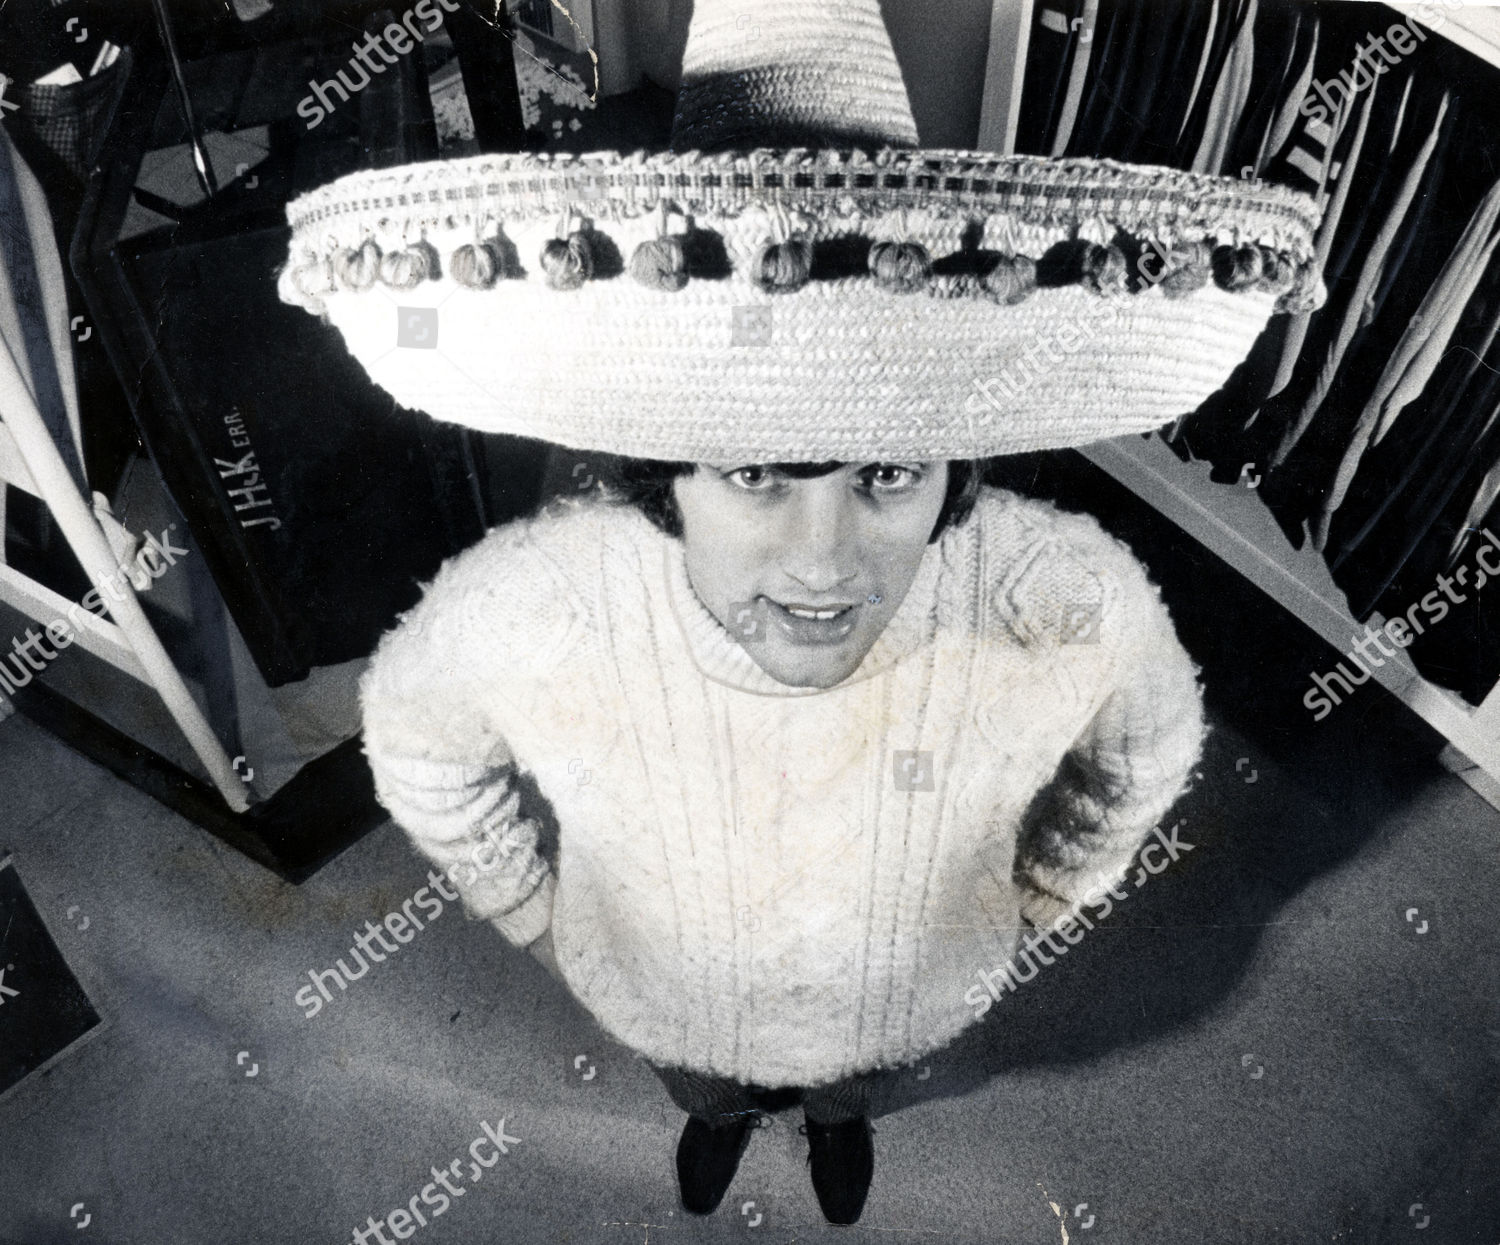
{"x": 825, "y": 710}
{"x": 819, "y": 721}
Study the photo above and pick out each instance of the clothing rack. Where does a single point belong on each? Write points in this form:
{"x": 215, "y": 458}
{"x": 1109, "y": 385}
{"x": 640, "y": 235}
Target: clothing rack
{"x": 1230, "y": 519}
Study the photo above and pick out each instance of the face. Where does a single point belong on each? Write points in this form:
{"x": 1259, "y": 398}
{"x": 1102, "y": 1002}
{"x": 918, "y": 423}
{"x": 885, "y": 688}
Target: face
{"x": 822, "y": 564}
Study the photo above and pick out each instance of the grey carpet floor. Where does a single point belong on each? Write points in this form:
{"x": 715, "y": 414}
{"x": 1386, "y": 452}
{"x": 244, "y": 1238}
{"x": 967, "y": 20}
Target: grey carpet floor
{"x": 1256, "y": 1048}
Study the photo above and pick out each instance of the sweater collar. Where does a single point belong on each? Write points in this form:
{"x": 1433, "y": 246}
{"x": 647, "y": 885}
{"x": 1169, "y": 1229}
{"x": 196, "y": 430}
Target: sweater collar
{"x": 720, "y": 657}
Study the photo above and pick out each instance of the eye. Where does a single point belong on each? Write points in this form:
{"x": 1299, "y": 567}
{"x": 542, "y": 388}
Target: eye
{"x": 890, "y": 477}
{"x": 755, "y": 478}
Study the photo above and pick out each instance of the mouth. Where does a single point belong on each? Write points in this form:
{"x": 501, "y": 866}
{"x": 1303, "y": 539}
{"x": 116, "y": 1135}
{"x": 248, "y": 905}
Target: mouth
{"x": 813, "y": 624}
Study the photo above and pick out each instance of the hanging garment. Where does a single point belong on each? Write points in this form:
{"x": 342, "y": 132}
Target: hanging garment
{"x": 1291, "y": 152}
{"x": 1297, "y": 330}
{"x": 1082, "y": 50}
{"x": 1242, "y": 426}
{"x": 1133, "y": 91}
{"x": 1419, "y": 227}
{"x": 1175, "y": 57}
{"x": 1379, "y": 175}
{"x": 1420, "y": 348}
{"x": 1230, "y": 94}
{"x": 1324, "y": 121}
{"x": 1461, "y": 369}
{"x": 1319, "y": 412}
{"x": 1452, "y": 191}
{"x": 1206, "y": 55}
{"x": 1458, "y": 651}
{"x": 1107, "y": 78}
{"x": 1054, "y": 42}
{"x": 1380, "y": 414}
{"x": 1442, "y": 312}
{"x": 1463, "y": 651}
{"x": 1283, "y": 57}
{"x": 1484, "y": 500}
{"x": 1211, "y": 109}
{"x": 1217, "y": 431}
{"x": 1412, "y": 477}
{"x": 1407, "y": 543}
{"x": 1424, "y": 338}
{"x": 1359, "y": 307}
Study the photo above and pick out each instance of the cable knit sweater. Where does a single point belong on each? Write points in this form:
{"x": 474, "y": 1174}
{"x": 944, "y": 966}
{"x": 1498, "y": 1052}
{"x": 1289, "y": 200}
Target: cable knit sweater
{"x": 776, "y": 884}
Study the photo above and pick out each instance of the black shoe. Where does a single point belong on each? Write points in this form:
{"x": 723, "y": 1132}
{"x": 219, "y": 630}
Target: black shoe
{"x": 842, "y": 1161}
{"x": 707, "y": 1159}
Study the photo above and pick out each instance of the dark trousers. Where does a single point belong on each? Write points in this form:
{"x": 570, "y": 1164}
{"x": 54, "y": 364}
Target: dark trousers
{"x": 716, "y": 1099}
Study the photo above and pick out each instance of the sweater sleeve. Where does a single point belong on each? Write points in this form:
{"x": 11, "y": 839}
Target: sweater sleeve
{"x": 432, "y": 701}
{"x": 1126, "y": 769}
{"x": 465, "y": 820}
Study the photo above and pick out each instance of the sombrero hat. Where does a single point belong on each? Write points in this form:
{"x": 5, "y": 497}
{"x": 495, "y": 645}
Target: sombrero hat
{"x": 795, "y": 280}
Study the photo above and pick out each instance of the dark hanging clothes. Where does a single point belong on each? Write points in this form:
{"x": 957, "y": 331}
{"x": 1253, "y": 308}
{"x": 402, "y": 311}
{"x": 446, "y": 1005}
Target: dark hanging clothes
{"x": 1397, "y": 511}
{"x": 1049, "y": 59}
{"x": 1327, "y": 387}
{"x": 1230, "y": 96}
{"x": 1176, "y": 55}
{"x": 1231, "y": 16}
{"x": 1126, "y": 97}
{"x": 1462, "y": 650}
{"x": 1431, "y": 408}
{"x": 1217, "y": 431}
{"x": 1078, "y": 71}
{"x": 1283, "y": 35}
{"x": 1345, "y": 346}
{"x": 1108, "y": 70}
{"x": 1377, "y": 438}
{"x": 1435, "y": 438}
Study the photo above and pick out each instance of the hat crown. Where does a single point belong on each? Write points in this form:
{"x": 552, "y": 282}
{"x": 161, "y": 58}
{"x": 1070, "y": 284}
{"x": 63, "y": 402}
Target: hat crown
{"x": 785, "y": 73}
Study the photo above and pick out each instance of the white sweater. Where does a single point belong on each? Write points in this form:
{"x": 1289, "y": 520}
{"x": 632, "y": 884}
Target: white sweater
{"x": 744, "y": 884}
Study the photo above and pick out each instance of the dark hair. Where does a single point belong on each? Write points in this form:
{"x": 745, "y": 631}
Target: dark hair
{"x": 647, "y": 484}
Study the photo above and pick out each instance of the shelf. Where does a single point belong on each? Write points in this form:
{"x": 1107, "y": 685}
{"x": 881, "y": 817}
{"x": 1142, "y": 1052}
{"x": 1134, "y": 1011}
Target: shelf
{"x": 1231, "y": 521}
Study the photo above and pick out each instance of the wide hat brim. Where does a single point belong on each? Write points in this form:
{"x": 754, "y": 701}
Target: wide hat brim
{"x": 800, "y": 304}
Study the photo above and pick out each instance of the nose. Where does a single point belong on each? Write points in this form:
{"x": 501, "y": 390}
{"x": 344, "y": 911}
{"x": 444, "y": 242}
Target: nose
{"x": 821, "y": 553}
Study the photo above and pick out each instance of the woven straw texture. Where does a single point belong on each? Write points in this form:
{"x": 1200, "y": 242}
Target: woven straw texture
{"x": 757, "y": 75}
{"x": 840, "y": 367}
